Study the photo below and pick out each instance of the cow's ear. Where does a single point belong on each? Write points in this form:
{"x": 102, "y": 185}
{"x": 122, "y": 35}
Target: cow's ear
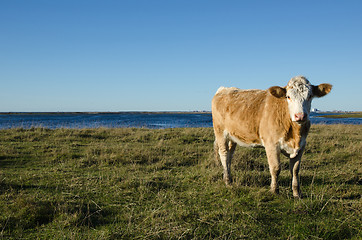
{"x": 278, "y": 92}
{"x": 322, "y": 89}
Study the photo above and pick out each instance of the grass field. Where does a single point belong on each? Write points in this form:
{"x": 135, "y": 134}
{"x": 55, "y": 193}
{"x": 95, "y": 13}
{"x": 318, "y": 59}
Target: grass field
{"x": 344, "y": 115}
{"x": 165, "y": 184}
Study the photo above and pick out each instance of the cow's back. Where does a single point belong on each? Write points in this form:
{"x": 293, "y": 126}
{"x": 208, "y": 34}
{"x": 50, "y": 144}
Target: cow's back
{"x": 238, "y": 112}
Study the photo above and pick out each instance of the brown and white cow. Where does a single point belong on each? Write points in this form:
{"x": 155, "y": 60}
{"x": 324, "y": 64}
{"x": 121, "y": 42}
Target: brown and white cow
{"x": 276, "y": 119}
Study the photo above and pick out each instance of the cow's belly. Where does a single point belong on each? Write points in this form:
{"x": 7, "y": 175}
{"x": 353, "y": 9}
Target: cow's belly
{"x": 242, "y": 142}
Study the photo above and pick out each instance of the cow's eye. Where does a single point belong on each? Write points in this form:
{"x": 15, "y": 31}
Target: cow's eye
{"x": 288, "y": 97}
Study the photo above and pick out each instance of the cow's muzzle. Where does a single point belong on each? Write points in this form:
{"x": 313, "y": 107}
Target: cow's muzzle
{"x": 300, "y": 117}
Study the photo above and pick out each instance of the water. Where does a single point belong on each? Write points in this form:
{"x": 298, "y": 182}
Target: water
{"x": 121, "y": 120}
{"x": 114, "y": 120}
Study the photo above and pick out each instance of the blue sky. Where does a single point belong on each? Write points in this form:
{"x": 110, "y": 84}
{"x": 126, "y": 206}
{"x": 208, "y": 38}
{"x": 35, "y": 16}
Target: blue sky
{"x": 68, "y": 55}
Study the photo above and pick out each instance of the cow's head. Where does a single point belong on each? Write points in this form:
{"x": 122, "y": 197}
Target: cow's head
{"x": 299, "y": 94}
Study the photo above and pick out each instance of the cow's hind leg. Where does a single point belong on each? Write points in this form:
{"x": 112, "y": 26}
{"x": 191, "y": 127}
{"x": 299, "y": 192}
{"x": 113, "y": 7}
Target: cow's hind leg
{"x": 216, "y": 153}
{"x": 225, "y": 158}
{"x": 231, "y": 151}
{"x": 226, "y": 155}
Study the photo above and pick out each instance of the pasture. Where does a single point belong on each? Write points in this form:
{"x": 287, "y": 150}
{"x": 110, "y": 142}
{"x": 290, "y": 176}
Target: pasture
{"x": 129, "y": 183}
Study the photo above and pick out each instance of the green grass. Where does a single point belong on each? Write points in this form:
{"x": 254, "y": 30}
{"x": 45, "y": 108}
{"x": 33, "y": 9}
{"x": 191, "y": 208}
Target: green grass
{"x": 165, "y": 184}
{"x": 343, "y": 115}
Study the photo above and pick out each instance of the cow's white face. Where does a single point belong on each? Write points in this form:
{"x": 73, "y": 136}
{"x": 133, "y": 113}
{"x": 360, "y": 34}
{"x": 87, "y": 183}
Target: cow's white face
{"x": 299, "y": 94}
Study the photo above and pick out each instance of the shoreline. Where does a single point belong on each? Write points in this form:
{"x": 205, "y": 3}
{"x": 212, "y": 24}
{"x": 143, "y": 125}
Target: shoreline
{"x": 355, "y": 114}
{"x": 341, "y": 115}
{"x": 95, "y": 113}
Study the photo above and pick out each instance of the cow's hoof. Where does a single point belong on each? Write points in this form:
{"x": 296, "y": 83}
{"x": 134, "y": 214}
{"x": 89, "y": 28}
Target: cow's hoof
{"x": 228, "y": 181}
{"x": 297, "y": 196}
{"x": 274, "y": 191}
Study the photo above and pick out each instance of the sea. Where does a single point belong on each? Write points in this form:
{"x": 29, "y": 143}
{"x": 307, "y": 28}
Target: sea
{"x": 151, "y": 120}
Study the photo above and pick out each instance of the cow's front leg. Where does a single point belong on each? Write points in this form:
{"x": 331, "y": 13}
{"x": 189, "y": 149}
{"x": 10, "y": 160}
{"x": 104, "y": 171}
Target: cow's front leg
{"x": 294, "y": 166}
{"x": 273, "y": 155}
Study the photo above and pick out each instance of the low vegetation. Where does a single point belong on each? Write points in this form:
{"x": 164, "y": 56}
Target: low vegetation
{"x": 164, "y": 184}
{"x": 343, "y": 115}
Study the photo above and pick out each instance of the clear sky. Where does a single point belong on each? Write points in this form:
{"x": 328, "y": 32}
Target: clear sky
{"x": 160, "y": 55}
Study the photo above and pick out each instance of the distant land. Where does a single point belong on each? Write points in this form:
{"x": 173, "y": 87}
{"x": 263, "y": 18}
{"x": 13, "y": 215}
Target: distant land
{"x": 324, "y": 114}
{"x": 120, "y": 112}
{"x": 343, "y": 115}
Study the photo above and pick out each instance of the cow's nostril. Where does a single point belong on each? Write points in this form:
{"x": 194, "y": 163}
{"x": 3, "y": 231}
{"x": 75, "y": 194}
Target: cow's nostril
{"x": 299, "y": 116}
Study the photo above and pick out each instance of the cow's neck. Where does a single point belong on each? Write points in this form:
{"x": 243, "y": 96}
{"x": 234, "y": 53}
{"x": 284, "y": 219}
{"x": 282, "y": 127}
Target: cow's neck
{"x": 292, "y": 132}
{"x": 296, "y": 134}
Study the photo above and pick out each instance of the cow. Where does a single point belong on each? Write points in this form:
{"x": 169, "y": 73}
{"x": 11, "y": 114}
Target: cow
{"x": 276, "y": 119}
